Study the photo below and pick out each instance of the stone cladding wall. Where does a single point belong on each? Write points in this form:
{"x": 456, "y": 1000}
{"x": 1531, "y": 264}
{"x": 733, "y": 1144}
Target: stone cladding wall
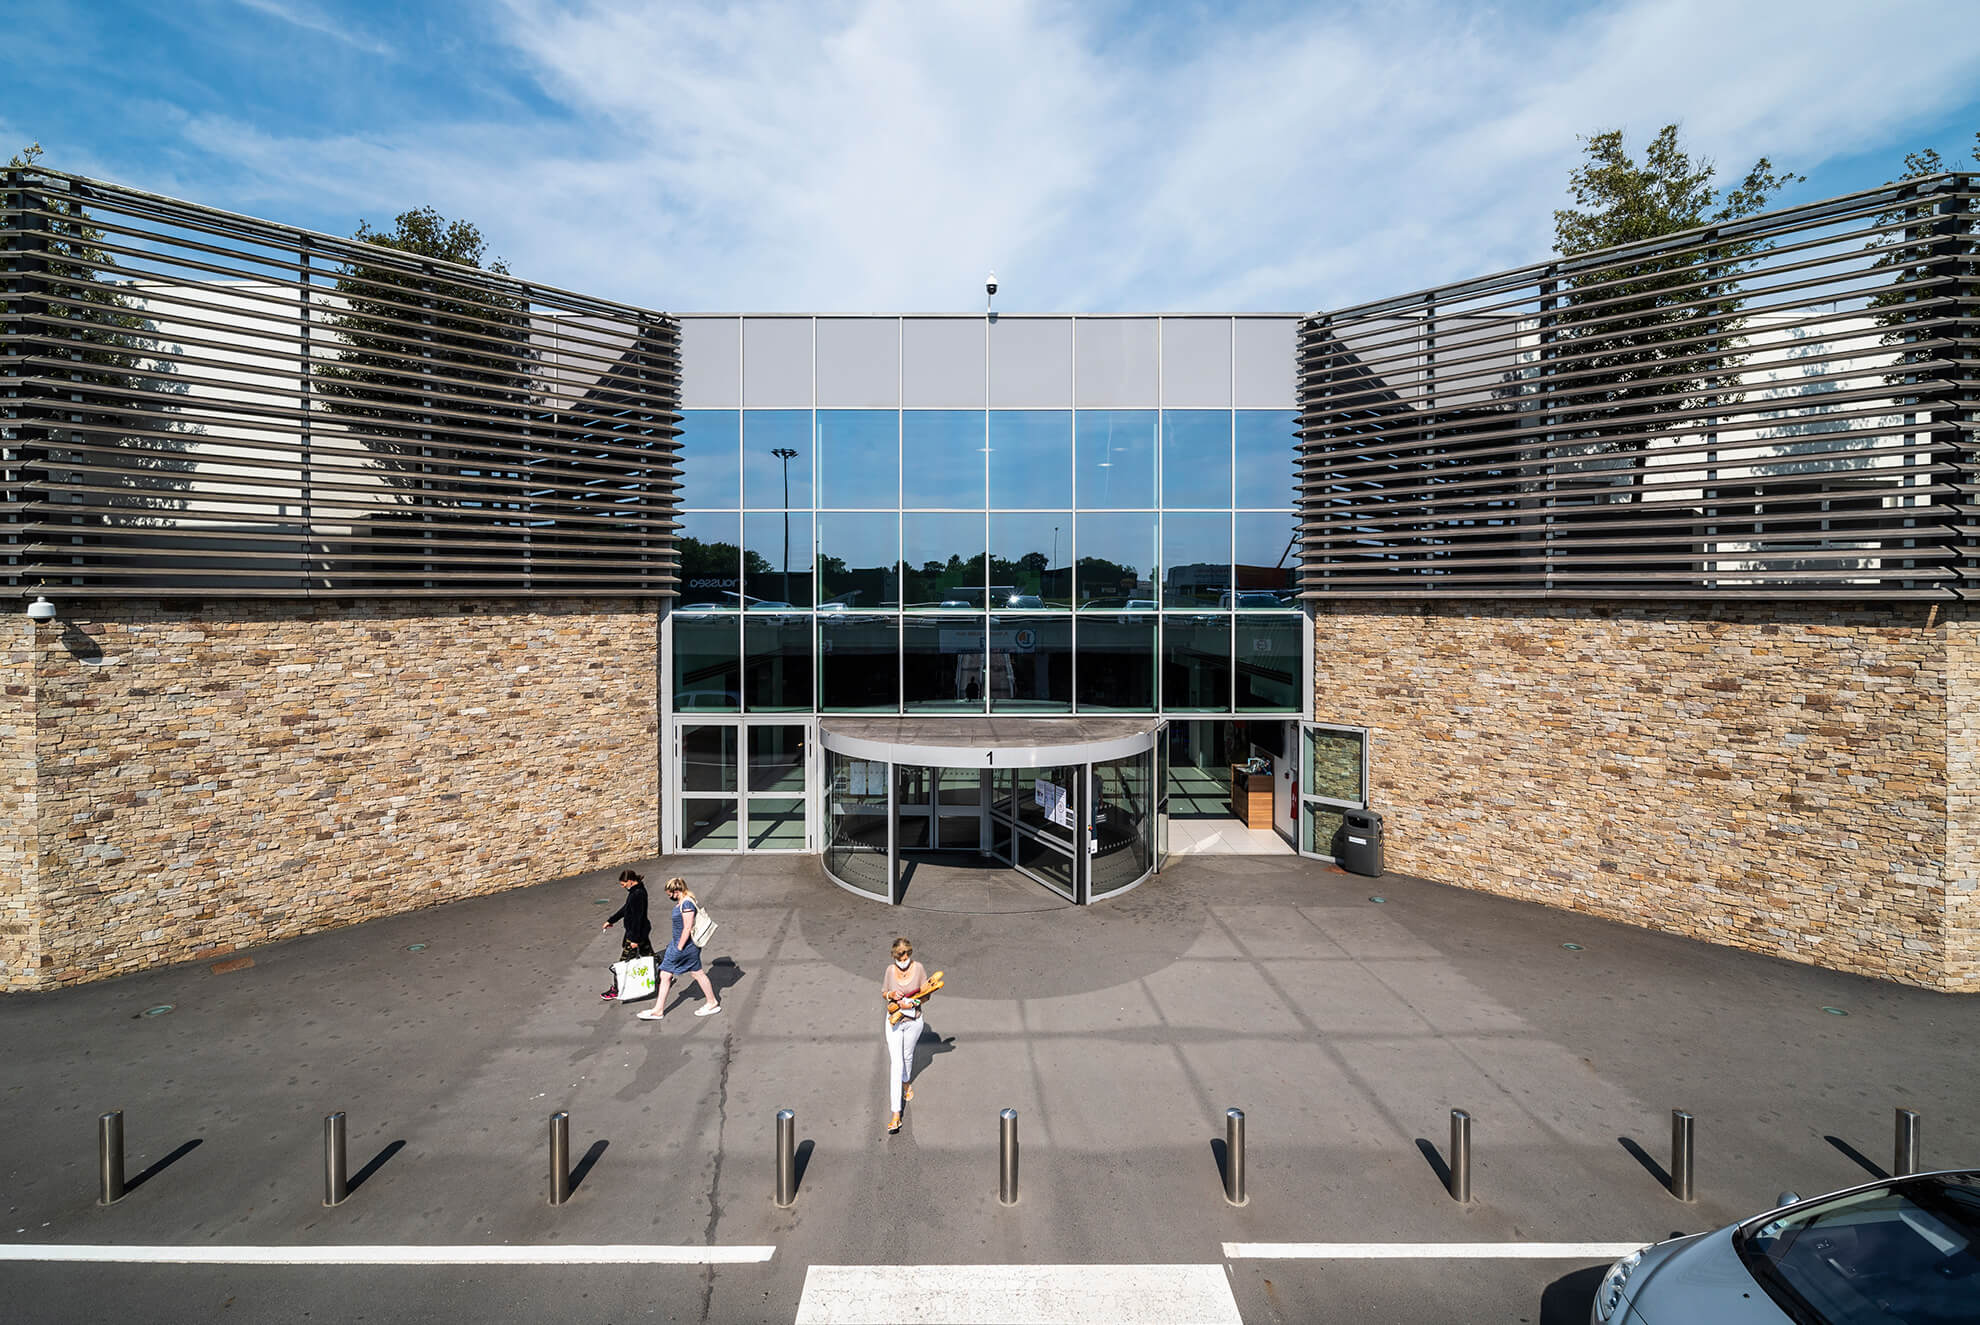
{"x": 1786, "y": 779}
{"x": 19, "y": 886}
{"x": 207, "y": 780}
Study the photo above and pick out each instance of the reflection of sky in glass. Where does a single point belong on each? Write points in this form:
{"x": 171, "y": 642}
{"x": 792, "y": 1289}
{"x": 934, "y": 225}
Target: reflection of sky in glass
{"x": 708, "y": 458}
{"x": 1265, "y": 551}
{"x": 1031, "y": 554}
{"x": 711, "y": 560}
{"x": 943, "y": 556}
{"x": 765, "y": 431}
{"x": 942, "y": 458}
{"x": 771, "y": 577}
{"x": 1116, "y": 556}
{"x": 1266, "y": 439}
{"x": 1116, "y": 457}
{"x": 1196, "y": 554}
{"x": 1196, "y": 457}
{"x": 1030, "y": 458}
{"x": 859, "y": 457}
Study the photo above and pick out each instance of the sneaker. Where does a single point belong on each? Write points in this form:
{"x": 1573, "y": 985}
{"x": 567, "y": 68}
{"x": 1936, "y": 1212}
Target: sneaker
{"x": 610, "y": 995}
{"x": 708, "y": 1009}
{"x": 650, "y": 1014}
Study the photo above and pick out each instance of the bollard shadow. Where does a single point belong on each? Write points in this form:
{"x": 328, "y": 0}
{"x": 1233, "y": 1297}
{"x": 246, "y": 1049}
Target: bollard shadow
{"x": 1869, "y": 1165}
{"x": 1220, "y": 1152}
{"x": 1568, "y": 1300}
{"x": 803, "y": 1159}
{"x": 160, "y": 1165}
{"x": 585, "y": 1163}
{"x": 377, "y": 1162}
{"x": 1643, "y": 1157}
{"x": 1436, "y": 1161}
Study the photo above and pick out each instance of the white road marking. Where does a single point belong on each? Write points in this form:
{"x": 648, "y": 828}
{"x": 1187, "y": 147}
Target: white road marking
{"x": 1017, "y": 1295}
{"x": 631, "y": 1254}
{"x": 1431, "y": 1251}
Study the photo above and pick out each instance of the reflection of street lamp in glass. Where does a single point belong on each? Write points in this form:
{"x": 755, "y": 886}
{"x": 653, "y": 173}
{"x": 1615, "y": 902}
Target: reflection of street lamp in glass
{"x": 1053, "y": 563}
{"x": 786, "y": 454}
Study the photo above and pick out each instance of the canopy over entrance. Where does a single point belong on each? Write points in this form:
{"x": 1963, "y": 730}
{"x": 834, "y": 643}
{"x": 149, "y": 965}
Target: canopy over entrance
{"x": 1072, "y": 803}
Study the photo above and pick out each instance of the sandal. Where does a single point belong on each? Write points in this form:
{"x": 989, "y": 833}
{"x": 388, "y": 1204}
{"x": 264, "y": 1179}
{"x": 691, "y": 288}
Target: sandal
{"x": 907, "y": 1093}
{"x": 895, "y": 1125}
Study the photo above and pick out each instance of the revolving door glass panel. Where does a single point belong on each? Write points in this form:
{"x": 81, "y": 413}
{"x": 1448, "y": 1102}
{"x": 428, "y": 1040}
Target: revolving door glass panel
{"x": 1122, "y": 832}
{"x": 858, "y": 811}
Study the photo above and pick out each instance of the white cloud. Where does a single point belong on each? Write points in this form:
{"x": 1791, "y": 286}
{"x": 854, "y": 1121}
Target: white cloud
{"x": 879, "y": 155}
{"x": 299, "y": 14}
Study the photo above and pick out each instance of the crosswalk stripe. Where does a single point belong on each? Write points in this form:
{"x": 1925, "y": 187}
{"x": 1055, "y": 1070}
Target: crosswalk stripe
{"x": 1017, "y": 1295}
{"x": 1430, "y": 1251}
{"x": 630, "y": 1254}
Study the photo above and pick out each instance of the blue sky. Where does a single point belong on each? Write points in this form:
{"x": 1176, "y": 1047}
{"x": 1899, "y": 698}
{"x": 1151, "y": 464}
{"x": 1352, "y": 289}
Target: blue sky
{"x": 872, "y": 156}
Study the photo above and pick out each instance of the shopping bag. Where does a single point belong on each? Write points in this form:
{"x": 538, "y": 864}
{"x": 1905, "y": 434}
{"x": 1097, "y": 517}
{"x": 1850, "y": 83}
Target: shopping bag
{"x": 703, "y": 927}
{"x": 635, "y": 977}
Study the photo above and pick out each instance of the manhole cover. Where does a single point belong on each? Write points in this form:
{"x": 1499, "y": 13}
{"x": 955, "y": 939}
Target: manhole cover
{"x": 158, "y": 1011}
{"x": 1572, "y": 947}
{"x": 1378, "y": 899}
{"x": 415, "y": 947}
{"x": 1835, "y": 1012}
{"x": 603, "y": 901}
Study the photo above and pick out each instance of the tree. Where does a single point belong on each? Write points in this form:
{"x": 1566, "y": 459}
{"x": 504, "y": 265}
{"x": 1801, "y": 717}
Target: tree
{"x": 431, "y": 373}
{"x": 1902, "y": 253}
{"x": 1648, "y": 336}
{"x": 117, "y": 395}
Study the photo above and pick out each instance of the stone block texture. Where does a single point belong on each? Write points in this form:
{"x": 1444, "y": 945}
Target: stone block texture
{"x": 1796, "y": 780}
{"x": 178, "y": 784}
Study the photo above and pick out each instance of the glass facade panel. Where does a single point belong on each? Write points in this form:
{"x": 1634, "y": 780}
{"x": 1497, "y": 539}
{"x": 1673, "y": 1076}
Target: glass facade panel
{"x": 859, "y": 362}
{"x": 856, "y": 822}
{"x": 1267, "y": 561}
{"x": 1114, "y": 362}
{"x": 1030, "y": 459}
{"x": 776, "y": 560}
{"x": 942, "y": 459}
{"x": 858, "y": 663}
{"x": 1320, "y": 828}
{"x": 1196, "y": 362}
{"x": 708, "y": 825}
{"x": 1196, "y": 560}
{"x": 1196, "y": 663}
{"x": 859, "y": 458}
{"x": 1031, "y": 664}
{"x": 710, "y": 547}
{"x": 942, "y": 363}
{"x": 767, "y": 473}
{"x": 1116, "y": 552}
{"x": 777, "y": 663}
{"x": 1117, "y": 663}
{"x": 858, "y": 561}
{"x": 1123, "y": 822}
{"x": 708, "y": 758}
{"x": 707, "y": 663}
{"x": 710, "y": 442}
{"x": 1031, "y": 363}
{"x": 711, "y": 363}
{"x": 1031, "y": 559}
{"x": 776, "y": 824}
{"x": 942, "y": 561}
{"x": 777, "y": 362}
{"x": 1115, "y": 458}
{"x": 1333, "y": 765}
{"x": 776, "y": 758}
{"x": 1267, "y": 458}
{"x": 942, "y": 664}
{"x": 1267, "y": 654}
{"x": 1196, "y": 458}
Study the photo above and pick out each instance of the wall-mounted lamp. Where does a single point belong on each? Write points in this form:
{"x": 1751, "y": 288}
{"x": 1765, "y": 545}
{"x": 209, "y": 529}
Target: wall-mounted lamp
{"x": 41, "y": 609}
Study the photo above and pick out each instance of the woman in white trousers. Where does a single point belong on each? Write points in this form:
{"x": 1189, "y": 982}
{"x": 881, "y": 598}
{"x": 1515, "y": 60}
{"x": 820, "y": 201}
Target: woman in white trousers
{"x": 904, "y": 978}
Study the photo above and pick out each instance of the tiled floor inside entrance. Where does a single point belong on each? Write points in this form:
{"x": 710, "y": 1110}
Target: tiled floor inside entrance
{"x": 1200, "y": 818}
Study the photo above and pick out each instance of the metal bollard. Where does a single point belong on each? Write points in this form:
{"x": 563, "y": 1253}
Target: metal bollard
{"x": 1904, "y": 1153}
{"x": 1460, "y": 1156}
{"x": 1007, "y": 1157}
{"x": 1681, "y": 1154}
{"x": 560, "y": 1158}
{"x": 110, "y": 1158}
{"x": 336, "y": 1185}
{"x": 1234, "y": 1156}
{"x": 786, "y": 1157}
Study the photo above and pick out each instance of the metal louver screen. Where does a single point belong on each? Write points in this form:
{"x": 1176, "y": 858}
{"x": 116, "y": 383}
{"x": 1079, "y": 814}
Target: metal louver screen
{"x": 194, "y": 403}
{"x": 1781, "y": 407}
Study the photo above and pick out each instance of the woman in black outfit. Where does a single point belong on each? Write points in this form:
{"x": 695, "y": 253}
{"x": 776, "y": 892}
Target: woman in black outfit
{"x": 639, "y": 930}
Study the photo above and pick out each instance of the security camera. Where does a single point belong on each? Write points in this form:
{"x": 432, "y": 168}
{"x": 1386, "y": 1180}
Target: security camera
{"x": 41, "y": 610}
{"x": 990, "y": 286}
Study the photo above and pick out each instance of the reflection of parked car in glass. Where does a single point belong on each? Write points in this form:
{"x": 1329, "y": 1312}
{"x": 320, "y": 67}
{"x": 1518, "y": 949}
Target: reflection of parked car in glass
{"x": 765, "y": 605}
{"x": 1118, "y": 605}
{"x": 1019, "y": 602}
{"x": 726, "y": 701}
{"x": 1899, "y": 1250}
{"x": 836, "y": 605}
{"x": 1250, "y": 598}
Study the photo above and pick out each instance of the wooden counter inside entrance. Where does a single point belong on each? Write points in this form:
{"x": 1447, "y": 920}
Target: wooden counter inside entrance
{"x": 1251, "y": 797}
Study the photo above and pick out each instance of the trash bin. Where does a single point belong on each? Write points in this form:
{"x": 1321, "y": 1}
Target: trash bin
{"x": 1361, "y": 842}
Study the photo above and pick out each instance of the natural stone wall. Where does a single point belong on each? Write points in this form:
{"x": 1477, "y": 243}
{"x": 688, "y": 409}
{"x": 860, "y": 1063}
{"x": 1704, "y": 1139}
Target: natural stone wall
{"x": 18, "y": 884}
{"x": 213, "y": 779}
{"x": 1787, "y": 779}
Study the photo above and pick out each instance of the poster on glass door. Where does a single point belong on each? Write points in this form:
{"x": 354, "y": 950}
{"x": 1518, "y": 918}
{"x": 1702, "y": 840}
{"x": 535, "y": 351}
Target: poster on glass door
{"x": 1052, "y": 798}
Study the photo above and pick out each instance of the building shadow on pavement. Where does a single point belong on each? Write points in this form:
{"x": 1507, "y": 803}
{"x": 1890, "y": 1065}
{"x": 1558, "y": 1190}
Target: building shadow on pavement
{"x": 1567, "y": 1300}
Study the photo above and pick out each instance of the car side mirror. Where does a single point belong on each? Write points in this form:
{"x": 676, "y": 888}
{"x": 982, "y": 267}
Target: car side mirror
{"x": 1788, "y": 1198}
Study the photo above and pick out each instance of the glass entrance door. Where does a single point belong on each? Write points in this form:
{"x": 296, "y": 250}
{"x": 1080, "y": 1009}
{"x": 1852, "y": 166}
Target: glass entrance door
{"x": 1333, "y": 779}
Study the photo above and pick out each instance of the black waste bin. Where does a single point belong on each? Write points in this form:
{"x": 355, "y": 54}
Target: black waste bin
{"x": 1361, "y": 842}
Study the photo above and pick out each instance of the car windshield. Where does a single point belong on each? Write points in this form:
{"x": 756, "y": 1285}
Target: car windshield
{"x": 1901, "y": 1253}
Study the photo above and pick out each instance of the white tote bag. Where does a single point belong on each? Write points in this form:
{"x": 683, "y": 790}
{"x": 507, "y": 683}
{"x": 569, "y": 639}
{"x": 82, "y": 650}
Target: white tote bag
{"x": 635, "y": 977}
{"x": 704, "y": 927}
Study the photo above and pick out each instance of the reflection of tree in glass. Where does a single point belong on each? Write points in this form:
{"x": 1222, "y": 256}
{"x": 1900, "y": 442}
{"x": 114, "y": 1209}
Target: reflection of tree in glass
{"x": 431, "y": 372}
{"x": 119, "y": 398}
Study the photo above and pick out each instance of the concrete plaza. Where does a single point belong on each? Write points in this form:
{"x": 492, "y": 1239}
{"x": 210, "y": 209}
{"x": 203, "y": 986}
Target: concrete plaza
{"x": 1345, "y": 1027}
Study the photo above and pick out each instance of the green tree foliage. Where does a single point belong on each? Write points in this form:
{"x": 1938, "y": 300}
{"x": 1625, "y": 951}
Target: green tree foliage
{"x": 118, "y": 394}
{"x": 1653, "y": 334}
{"x": 431, "y": 370}
{"x": 1917, "y": 241}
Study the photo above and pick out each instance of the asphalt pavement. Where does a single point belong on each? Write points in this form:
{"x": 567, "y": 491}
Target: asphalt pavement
{"x": 1345, "y": 1027}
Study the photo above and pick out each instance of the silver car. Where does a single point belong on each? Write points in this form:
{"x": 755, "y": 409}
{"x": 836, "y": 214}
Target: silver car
{"x": 1904, "y": 1251}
